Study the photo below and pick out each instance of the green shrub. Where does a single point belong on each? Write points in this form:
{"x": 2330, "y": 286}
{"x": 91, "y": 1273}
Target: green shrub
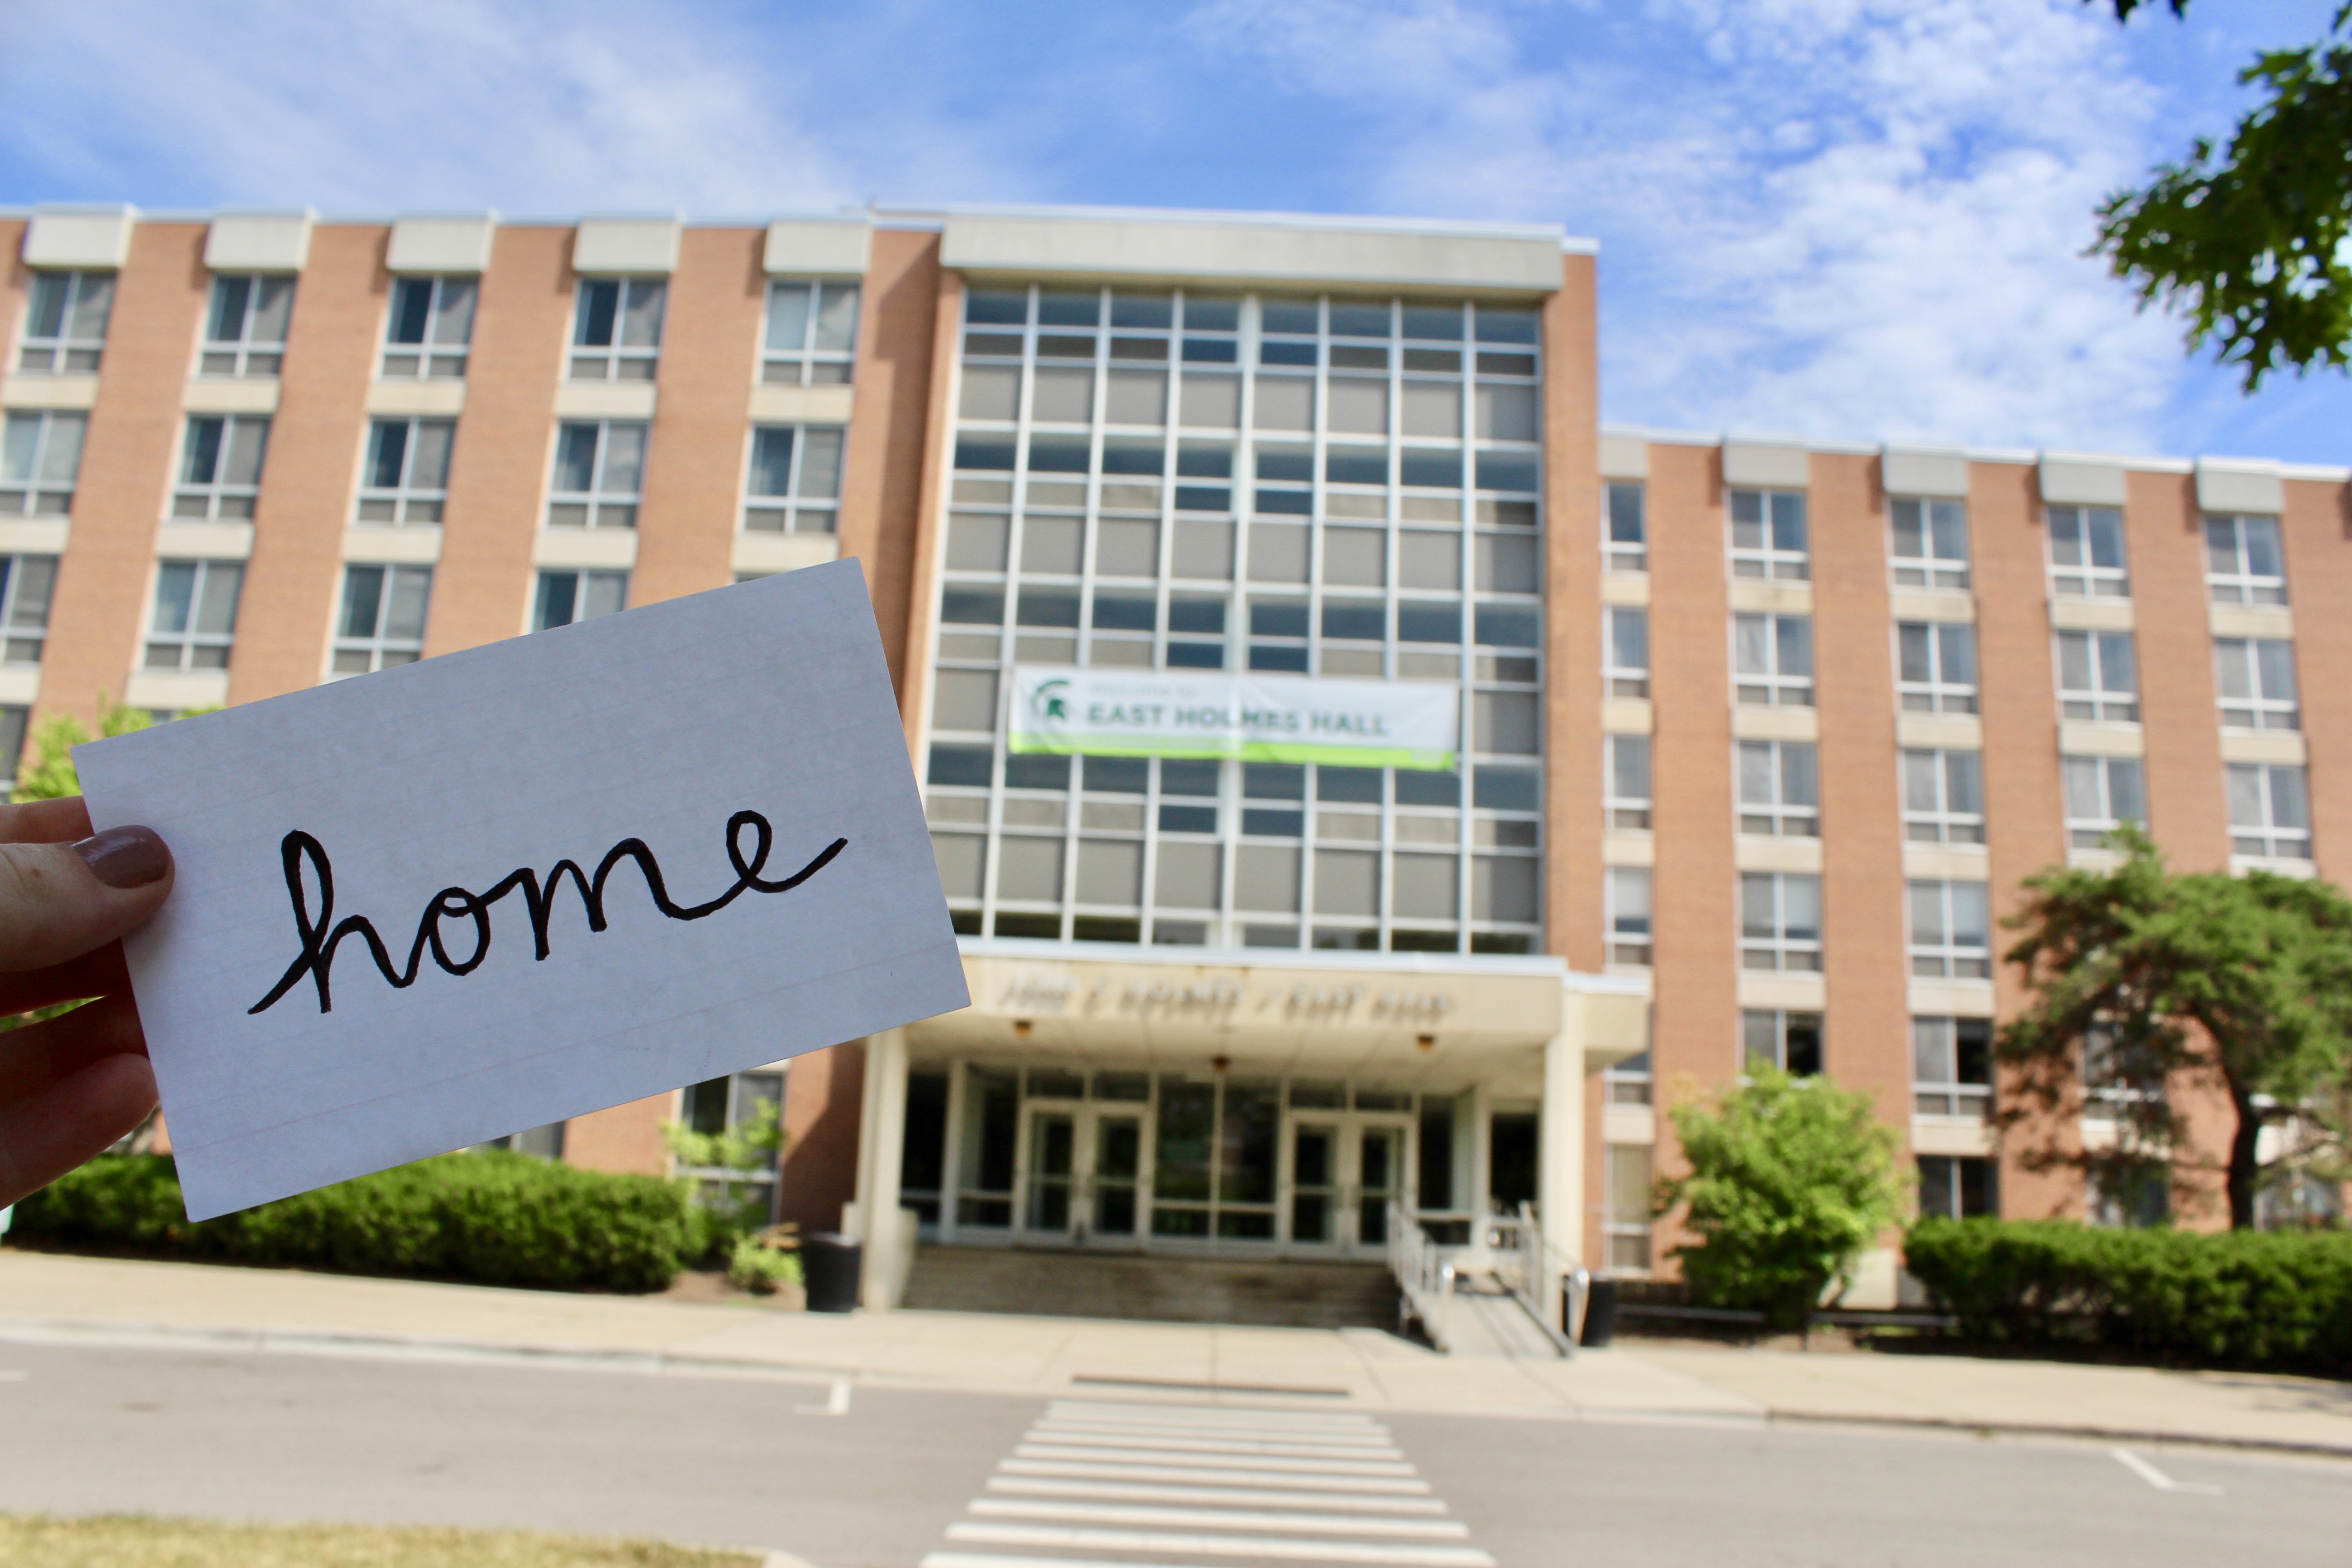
{"x": 761, "y": 1270}
{"x": 494, "y": 1218}
{"x": 2251, "y": 1299}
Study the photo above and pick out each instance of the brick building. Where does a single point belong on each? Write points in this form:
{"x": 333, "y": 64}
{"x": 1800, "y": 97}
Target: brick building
{"x": 1755, "y": 739}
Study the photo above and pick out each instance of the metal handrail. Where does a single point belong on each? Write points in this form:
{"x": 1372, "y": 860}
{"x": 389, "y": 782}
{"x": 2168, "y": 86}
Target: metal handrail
{"x": 1525, "y": 1264}
{"x": 1422, "y": 1272}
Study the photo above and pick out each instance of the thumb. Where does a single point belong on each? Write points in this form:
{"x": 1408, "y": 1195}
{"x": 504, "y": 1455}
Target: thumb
{"x": 61, "y": 900}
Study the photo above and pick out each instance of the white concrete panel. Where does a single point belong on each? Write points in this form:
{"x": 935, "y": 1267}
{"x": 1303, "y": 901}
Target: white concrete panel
{"x": 1628, "y": 849}
{"x": 1932, "y": 605}
{"x": 1782, "y": 465}
{"x": 94, "y": 238}
{"x": 2080, "y": 740}
{"x": 46, "y": 537}
{"x": 2240, "y": 487}
{"x": 784, "y": 552}
{"x": 1775, "y": 723}
{"x": 2265, "y": 746}
{"x": 258, "y": 242}
{"x": 49, "y": 392}
{"x": 2250, "y": 620}
{"x": 1924, "y": 471}
{"x": 203, "y": 541}
{"x": 20, "y": 687}
{"x": 1755, "y": 853}
{"x": 1629, "y": 1124}
{"x": 818, "y": 247}
{"x": 2092, "y": 614}
{"x": 606, "y": 400}
{"x": 392, "y": 546}
{"x": 1626, "y": 715}
{"x": 1798, "y": 993}
{"x": 803, "y": 405}
{"x": 2081, "y": 481}
{"x": 1524, "y": 261}
{"x": 232, "y": 395}
{"x": 444, "y": 398}
{"x": 1968, "y": 1136}
{"x": 599, "y": 547}
{"x": 1950, "y": 862}
{"x": 1960, "y": 731}
{"x": 1780, "y": 598}
{"x": 459, "y": 245}
{"x": 1625, "y": 588}
{"x": 1624, "y": 456}
{"x": 177, "y": 689}
{"x": 626, "y": 246}
{"x": 1952, "y": 998}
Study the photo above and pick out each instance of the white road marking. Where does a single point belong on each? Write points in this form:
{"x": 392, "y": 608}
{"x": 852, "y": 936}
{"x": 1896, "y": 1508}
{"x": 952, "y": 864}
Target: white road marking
{"x": 1057, "y": 1424}
{"x": 1182, "y": 1541}
{"x": 2158, "y": 1478}
{"x": 1168, "y": 1442}
{"x": 836, "y": 1402}
{"x": 1190, "y": 1473}
{"x": 1129, "y": 1492}
{"x": 1217, "y": 1461}
{"x": 1216, "y": 1518}
{"x": 1215, "y": 1415}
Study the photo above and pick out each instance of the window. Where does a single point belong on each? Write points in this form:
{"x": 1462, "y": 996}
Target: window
{"x": 1779, "y": 788}
{"x": 741, "y": 1102}
{"x": 812, "y": 333}
{"x": 2087, "y": 553}
{"x": 2244, "y": 563}
{"x": 1628, "y": 762}
{"x": 1628, "y": 652}
{"x": 616, "y": 327}
{"x": 795, "y": 479}
{"x": 25, "y": 582}
{"x": 245, "y": 334}
{"x": 2255, "y": 676}
{"x": 2270, "y": 811}
{"x": 1772, "y": 656}
{"x": 65, "y": 331}
{"x": 1780, "y": 922}
{"x": 2129, "y": 1189}
{"x": 2097, "y": 677}
{"x": 1951, "y": 930}
{"x": 1629, "y": 1208}
{"x": 1943, "y": 798}
{"x": 1629, "y": 1081}
{"x": 1951, "y": 1066}
{"x": 1628, "y": 530}
{"x": 1790, "y": 1042}
{"x": 2101, "y": 795}
{"x": 195, "y": 614}
{"x": 1936, "y": 667}
{"x": 383, "y": 617}
{"x": 407, "y": 477}
{"x": 13, "y": 722}
{"x": 429, "y": 329}
{"x": 568, "y": 597}
{"x": 220, "y": 467}
{"x": 39, "y": 460}
{"x": 599, "y": 470}
{"x": 1958, "y": 1186}
{"x": 1767, "y": 534}
{"x": 1931, "y": 543}
{"x": 1628, "y": 914}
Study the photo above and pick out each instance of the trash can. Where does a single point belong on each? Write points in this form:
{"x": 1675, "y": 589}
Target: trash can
{"x": 1599, "y": 1314}
{"x": 830, "y": 1266}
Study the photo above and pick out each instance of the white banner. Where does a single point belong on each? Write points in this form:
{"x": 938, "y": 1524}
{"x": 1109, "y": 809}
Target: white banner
{"x": 1258, "y": 718}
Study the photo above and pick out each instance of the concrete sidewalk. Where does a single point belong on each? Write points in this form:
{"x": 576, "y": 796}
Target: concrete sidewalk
{"x": 51, "y": 1298}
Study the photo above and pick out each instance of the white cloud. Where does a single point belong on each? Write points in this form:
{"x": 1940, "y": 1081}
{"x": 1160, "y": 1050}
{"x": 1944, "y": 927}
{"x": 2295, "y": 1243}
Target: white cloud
{"x": 1841, "y": 218}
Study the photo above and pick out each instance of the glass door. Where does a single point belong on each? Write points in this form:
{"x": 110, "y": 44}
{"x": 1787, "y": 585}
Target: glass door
{"x": 1115, "y": 1177}
{"x": 1315, "y": 1186}
{"x": 1048, "y": 1214}
{"x": 1380, "y": 1150}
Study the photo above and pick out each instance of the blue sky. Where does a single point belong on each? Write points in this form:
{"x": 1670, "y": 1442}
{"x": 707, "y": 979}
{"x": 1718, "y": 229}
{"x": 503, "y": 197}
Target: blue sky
{"x": 1846, "y": 219}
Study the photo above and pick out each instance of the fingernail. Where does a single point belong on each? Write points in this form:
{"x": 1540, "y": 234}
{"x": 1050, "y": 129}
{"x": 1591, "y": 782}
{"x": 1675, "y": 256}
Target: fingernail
{"x": 125, "y": 857}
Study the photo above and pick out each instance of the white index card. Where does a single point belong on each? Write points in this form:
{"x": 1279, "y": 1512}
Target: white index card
{"x": 381, "y": 944}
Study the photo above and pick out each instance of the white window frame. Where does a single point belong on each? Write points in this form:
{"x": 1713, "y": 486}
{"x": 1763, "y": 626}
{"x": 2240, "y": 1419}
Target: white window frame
{"x": 27, "y": 583}
{"x": 2102, "y": 702}
{"x": 2095, "y": 777}
{"x": 1937, "y": 1088}
{"x": 1950, "y": 930}
{"x": 1934, "y": 778}
{"x": 194, "y": 646}
{"x": 1632, "y": 1081}
{"x": 2077, "y": 535}
{"x": 1777, "y": 789}
{"x": 1621, "y": 628}
{"x": 380, "y": 644}
{"x": 808, "y": 504}
{"x": 442, "y": 352}
{"x": 213, "y": 498}
{"x": 249, "y": 351}
{"x": 78, "y": 343}
{"x": 2262, "y": 671}
{"x": 2265, "y": 799}
{"x": 596, "y": 507}
{"x": 1764, "y": 1039}
{"x": 597, "y": 587}
{"x": 1630, "y": 892}
{"x": 413, "y": 498}
{"x": 625, "y": 354}
{"x": 1780, "y": 942}
{"x": 1766, "y": 681}
{"x": 1626, "y": 761}
{"x": 1626, "y": 509}
{"x": 2234, "y": 546}
{"x": 1940, "y": 644}
{"x": 37, "y": 476}
{"x": 1627, "y": 1239}
{"x": 1776, "y": 542}
{"x": 825, "y": 353}
{"x": 1921, "y": 532}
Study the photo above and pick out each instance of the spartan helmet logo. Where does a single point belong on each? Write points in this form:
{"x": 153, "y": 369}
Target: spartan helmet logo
{"x": 1050, "y": 703}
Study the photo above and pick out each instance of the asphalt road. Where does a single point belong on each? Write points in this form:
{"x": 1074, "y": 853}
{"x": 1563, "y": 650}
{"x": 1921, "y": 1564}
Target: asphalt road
{"x": 973, "y": 1479}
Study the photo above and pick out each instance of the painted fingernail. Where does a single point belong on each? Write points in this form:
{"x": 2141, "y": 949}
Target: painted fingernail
{"x": 125, "y": 857}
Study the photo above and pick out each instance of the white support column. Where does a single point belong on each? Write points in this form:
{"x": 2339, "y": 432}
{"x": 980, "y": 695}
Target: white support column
{"x": 881, "y": 1135}
{"x": 1561, "y": 1178}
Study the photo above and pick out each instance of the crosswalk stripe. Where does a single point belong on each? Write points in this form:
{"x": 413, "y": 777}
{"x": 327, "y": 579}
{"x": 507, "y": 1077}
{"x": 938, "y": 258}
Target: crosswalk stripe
{"x": 1250, "y": 1476}
{"x": 1215, "y": 1518}
{"x": 1218, "y": 1461}
{"x": 1217, "y": 1444}
{"x": 1374, "y": 1438}
{"x": 1187, "y": 1542}
{"x": 1129, "y": 1492}
{"x": 1303, "y": 1420}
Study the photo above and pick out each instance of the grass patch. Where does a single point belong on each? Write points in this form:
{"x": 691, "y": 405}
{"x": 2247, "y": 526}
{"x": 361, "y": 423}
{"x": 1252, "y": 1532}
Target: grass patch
{"x": 135, "y": 1540}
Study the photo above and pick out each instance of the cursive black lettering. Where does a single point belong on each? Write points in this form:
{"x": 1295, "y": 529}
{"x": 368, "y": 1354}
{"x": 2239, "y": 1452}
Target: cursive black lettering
{"x": 321, "y": 934}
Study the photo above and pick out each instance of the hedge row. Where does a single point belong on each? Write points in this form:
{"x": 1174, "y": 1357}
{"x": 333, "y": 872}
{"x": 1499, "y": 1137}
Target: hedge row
{"x": 2253, "y": 1299}
{"x": 493, "y": 1217}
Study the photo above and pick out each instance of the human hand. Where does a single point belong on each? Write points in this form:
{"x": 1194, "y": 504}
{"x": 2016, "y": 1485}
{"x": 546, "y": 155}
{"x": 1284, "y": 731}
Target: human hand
{"x": 70, "y": 1085}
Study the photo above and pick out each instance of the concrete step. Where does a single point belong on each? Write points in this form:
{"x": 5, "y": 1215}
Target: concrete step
{"x": 1314, "y": 1295}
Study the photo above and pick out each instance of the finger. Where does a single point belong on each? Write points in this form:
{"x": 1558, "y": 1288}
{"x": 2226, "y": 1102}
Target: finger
{"x": 99, "y": 973}
{"x": 61, "y": 900}
{"x": 48, "y": 1133}
{"x": 45, "y": 821}
{"x": 39, "y": 1055}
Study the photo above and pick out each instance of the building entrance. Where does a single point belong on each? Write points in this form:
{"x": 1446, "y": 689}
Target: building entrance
{"x": 1083, "y": 1177}
{"x": 1346, "y": 1173}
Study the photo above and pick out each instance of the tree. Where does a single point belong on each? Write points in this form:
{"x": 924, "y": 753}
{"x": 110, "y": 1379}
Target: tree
{"x": 2153, "y": 973}
{"x": 1790, "y": 1179}
{"x": 52, "y": 776}
{"x": 2248, "y": 238}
